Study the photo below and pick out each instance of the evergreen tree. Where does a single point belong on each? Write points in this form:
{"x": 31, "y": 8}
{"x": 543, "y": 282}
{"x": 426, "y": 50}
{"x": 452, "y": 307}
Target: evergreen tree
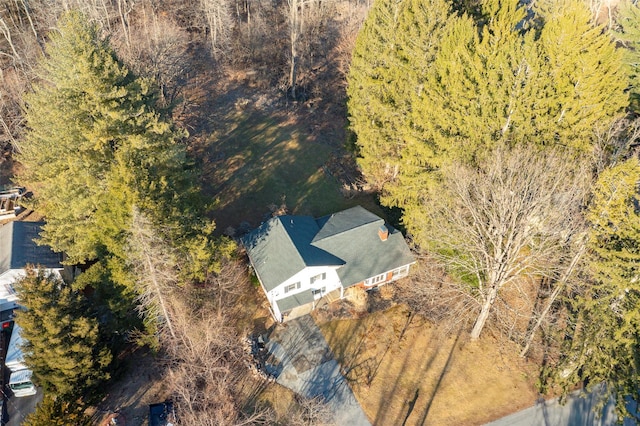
{"x": 393, "y": 50}
{"x": 85, "y": 109}
{"x": 604, "y": 343}
{"x": 629, "y": 22}
{"x": 96, "y": 147}
{"x": 510, "y": 77}
{"x": 504, "y": 76}
{"x": 62, "y": 337}
{"x": 55, "y": 411}
{"x": 583, "y": 77}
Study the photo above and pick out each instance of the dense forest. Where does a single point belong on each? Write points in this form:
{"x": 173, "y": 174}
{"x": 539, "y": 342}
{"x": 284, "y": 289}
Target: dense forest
{"x": 503, "y": 135}
{"x": 506, "y": 134}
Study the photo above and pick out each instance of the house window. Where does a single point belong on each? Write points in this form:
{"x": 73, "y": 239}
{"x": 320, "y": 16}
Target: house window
{"x": 375, "y": 280}
{"x": 319, "y": 277}
{"x": 401, "y": 272}
{"x": 292, "y": 287}
{"x": 317, "y": 293}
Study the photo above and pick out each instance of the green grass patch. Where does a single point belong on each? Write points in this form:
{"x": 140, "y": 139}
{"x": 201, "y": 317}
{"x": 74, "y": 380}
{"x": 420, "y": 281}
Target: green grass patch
{"x": 261, "y": 161}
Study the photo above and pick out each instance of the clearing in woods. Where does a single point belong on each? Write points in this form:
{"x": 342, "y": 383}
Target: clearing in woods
{"x": 260, "y": 162}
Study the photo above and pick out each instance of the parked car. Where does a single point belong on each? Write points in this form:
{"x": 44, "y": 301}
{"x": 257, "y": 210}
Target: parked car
{"x": 162, "y": 414}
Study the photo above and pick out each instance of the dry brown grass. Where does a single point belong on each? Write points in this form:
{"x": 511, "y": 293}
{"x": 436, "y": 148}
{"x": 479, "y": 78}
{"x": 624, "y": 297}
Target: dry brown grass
{"x": 405, "y": 372}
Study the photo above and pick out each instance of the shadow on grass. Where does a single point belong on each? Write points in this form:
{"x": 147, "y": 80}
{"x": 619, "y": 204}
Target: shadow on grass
{"x": 263, "y": 162}
{"x": 255, "y": 155}
{"x": 397, "y": 373}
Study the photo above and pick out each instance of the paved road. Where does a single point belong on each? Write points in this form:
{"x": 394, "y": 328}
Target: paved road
{"x": 577, "y": 411}
{"x": 19, "y": 408}
{"x": 302, "y": 361}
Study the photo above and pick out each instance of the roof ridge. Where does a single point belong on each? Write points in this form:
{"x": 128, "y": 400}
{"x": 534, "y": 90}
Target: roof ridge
{"x": 314, "y": 241}
{"x": 286, "y": 231}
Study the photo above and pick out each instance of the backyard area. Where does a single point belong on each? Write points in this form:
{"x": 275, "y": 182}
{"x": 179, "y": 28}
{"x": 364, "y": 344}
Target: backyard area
{"x": 258, "y": 158}
{"x": 257, "y": 161}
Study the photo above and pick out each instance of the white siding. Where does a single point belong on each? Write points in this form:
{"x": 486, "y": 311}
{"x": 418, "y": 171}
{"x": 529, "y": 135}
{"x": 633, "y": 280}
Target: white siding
{"x": 380, "y": 279}
{"x": 330, "y": 283}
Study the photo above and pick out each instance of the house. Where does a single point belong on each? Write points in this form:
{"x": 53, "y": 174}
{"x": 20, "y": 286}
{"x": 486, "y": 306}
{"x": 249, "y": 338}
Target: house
{"x": 17, "y": 250}
{"x": 299, "y": 259}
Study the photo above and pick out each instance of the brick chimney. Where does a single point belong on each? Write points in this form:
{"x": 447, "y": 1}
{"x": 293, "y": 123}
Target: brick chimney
{"x": 383, "y": 233}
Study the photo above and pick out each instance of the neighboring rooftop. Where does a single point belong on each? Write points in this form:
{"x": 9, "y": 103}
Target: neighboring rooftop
{"x": 18, "y": 247}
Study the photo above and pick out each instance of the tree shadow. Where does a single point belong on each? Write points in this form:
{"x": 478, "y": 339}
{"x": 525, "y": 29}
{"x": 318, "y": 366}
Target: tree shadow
{"x": 256, "y": 148}
{"x": 443, "y": 372}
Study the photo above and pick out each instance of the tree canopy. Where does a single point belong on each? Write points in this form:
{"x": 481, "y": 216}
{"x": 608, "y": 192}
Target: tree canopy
{"x": 463, "y": 85}
{"x": 87, "y": 117}
{"x": 505, "y": 220}
{"x": 96, "y": 147}
{"x": 394, "y": 49}
{"x": 629, "y": 33}
{"x": 604, "y": 339}
{"x": 63, "y": 345}
{"x": 52, "y": 411}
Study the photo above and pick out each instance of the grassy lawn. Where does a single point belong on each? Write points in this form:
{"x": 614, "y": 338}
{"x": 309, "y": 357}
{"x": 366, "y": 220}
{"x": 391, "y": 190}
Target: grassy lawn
{"x": 260, "y": 161}
{"x": 404, "y": 372}
{"x": 402, "y": 369}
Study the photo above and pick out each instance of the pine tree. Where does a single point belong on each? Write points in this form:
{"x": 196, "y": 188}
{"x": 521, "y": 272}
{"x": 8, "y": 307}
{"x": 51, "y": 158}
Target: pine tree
{"x": 629, "y": 34}
{"x": 55, "y": 411}
{"x": 96, "y": 147}
{"x": 583, "y": 77}
{"x": 394, "y": 48}
{"x": 62, "y": 337}
{"x": 548, "y": 79}
{"x": 508, "y": 75}
{"x": 370, "y": 97}
{"x": 603, "y": 344}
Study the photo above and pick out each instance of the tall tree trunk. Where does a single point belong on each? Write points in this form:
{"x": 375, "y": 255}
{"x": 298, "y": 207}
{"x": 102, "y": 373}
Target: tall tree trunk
{"x": 123, "y": 11}
{"x": 294, "y": 34}
{"x": 554, "y": 295}
{"x": 484, "y": 313}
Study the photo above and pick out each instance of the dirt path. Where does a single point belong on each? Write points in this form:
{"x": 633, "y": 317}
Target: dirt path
{"x": 130, "y": 395}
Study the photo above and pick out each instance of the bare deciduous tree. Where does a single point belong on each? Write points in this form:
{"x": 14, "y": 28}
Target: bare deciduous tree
{"x": 220, "y": 23}
{"x": 310, "y": 411}
{"x": 559, "y": 285}
{"x": 506, "y": 220}
{"x": 156, "y": 271}
{"x": 306, "y": 21}
{"x": 431, "y": 293}
{"x": 159, "y": 51}
{"x": 208, "y": 365}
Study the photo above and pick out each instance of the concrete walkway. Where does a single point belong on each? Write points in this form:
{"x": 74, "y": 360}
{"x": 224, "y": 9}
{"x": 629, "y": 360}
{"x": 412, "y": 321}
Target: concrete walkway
{"x": 302, "y": 361}
{"x": 577, "y": 411}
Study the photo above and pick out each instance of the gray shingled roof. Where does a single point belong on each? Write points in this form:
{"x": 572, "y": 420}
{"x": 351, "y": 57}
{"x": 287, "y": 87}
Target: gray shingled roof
{"x": 285, "y": 245}
{"x": 17, "y": 247}
{"x": 365, "y": 254}
{"x": 344, "y": 221}
{"x": 294, "y": 301}
{"x": 281, "y": 247}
